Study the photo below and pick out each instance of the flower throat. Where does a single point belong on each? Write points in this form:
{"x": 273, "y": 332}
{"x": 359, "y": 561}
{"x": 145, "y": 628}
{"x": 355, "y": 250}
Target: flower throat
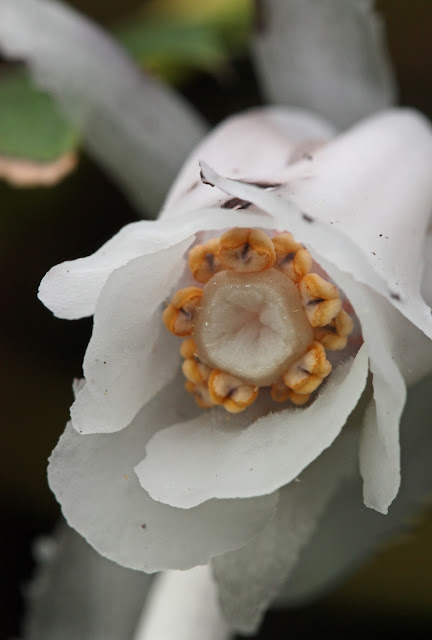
{"x": 262, "y": 319}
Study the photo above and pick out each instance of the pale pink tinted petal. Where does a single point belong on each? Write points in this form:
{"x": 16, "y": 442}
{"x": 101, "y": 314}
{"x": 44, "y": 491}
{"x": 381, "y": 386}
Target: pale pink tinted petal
{"x": 93, "y": 477}
{"x": 329, "y": 56}
{"x": 374, "y": 184}
{"x": 130, "y": 355}
{"x": 259, "y": 145}
{"x": 250, "y": 578}
{"x": 222, "y": 456}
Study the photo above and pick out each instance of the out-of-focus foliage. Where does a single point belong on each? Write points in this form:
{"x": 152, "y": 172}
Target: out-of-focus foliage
{"x": 31, "y": 127}
{"x": 170, "y": 38}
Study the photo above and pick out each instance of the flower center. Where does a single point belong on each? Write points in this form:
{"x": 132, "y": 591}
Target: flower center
{"x": 261, "y": 320}
{"x": 251, "y": 325}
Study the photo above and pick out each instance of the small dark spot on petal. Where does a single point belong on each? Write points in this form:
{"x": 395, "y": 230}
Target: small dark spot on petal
{"x": 143, "y": 526}
{"x": 263, "y": 184}
{"x": 395, "y": 296}
{"x": 381, "y": 235}
{"x": 307, "y": 218}
{"x": 236, "y": 203}
{"x": 204, "y": 180}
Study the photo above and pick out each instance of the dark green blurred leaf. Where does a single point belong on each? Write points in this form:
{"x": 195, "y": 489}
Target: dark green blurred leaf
{"x": 30, "y": 124}
{"x": 175, "y": 37}
{"x": 171, "y": 48}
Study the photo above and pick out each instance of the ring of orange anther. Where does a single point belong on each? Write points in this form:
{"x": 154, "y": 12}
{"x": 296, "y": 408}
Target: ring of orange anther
{"x": 204, "y": 261}
{"x": 334, "y": 336}
{"x": 247, "y": 251}
{"x": 233, "y": 393}
{"x": 291, "y": 257}
{"x": 320, "y": 299}
{"x": 178, "y": 317}
{"x": 306, "y": 375}
{"x": 200, "y": 393}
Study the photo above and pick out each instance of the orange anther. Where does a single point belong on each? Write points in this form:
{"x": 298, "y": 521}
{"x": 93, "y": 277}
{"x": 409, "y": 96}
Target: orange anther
{"x": 320, "y": 299}
{"x": 200, "y": 393}
{"x": 188, "y": 348}
{"x": 306, "y": 375}
{"x": 280, "y": 393}
{"x": 334, "y": 336}
{"x": 196, "y": 371}
{"x": 291, "y": 257}
{"x": 178, "y": 317}
{"x": 231, "y": 392}
{"x": 246, "y": 250}
{"x": 204, "y": 261}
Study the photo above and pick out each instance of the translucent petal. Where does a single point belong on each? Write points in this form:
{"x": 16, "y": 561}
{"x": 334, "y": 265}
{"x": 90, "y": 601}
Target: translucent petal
{"x": 222, "y": 456}
{"x": 250, "y": 578}
{"x": 77, "y": 593}
{"x": 129, "y": 121}
{"x": 93, "y": 477}
{"x": 348, "y": 533}
{"x": 379, "y": 442}
{"x": 328, "y": 56}
{"x": 71, "y": 289}
{"x": 261, "y": 144}
{"x": 130, "y": 355}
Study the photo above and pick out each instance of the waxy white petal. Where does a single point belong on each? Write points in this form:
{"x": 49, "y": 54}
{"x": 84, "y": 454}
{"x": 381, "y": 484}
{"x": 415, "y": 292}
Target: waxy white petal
{"x": 130, "y": 355}
{"x": 326, "y": 55}
{"x": 93, "y": 478}
{"x": 138, "y": 129}
{"x": 261, "y": 144}
{"x": 228, "y": 457}
{"x": 348, "y": 532}
{"x": 379, "y": 443}
{"x": 71, "y": 289}
{"x": 250, "y": 578}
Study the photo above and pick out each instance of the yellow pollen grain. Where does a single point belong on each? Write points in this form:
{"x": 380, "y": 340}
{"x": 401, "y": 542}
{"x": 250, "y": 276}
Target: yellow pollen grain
{"x": 246, "y": 250}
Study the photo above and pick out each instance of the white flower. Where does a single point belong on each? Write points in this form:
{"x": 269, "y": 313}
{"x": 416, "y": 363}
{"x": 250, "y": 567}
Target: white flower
{"x": 152, "y": 481}
{"x": 155, "y": 483}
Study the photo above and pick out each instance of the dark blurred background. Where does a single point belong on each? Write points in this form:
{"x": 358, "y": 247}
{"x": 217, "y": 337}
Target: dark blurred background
{"x": 40, "y": 355}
